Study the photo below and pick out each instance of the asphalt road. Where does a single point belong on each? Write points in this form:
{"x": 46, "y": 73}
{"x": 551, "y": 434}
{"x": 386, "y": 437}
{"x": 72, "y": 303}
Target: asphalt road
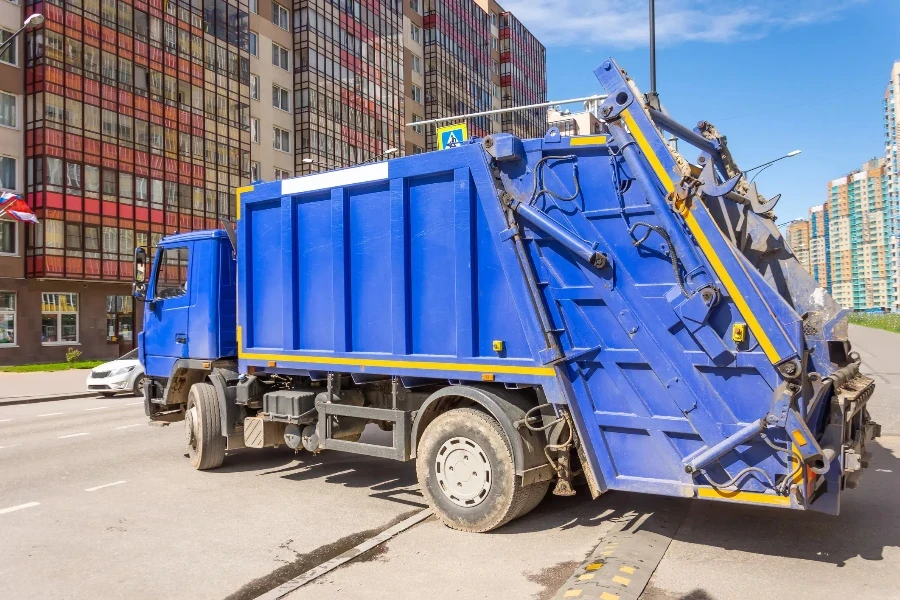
{"x": 94, "y": 503}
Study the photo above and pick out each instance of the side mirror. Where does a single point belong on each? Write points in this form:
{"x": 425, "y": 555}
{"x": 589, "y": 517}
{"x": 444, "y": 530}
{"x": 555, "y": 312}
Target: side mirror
{"x": 139, "y": 286}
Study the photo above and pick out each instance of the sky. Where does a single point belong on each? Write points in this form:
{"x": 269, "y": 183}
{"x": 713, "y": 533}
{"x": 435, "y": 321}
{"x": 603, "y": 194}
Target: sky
{"x": 772, "y": 75}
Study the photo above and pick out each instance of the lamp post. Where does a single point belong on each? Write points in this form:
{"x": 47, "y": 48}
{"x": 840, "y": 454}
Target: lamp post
{"x": 766, "y": 165}
{"x": 388, "y": 152}
{"x": 30, "y": 23}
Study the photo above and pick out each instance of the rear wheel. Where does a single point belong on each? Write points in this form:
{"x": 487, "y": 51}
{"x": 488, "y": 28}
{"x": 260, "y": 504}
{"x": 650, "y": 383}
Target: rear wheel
{"x": 466, "y": 472}
{"x": 203, "y": 427}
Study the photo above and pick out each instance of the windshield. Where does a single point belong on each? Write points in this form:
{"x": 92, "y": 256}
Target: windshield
{"x": 133, "y": 355}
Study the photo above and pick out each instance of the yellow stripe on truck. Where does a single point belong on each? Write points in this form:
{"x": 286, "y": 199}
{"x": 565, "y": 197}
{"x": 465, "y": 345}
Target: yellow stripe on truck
{"x": 761, "y": 336}
{"x": 401, "y": 364}
{"x": 749, "y": 497}
{"x": 587, "y": 140}
{"x": 237, "y": 198}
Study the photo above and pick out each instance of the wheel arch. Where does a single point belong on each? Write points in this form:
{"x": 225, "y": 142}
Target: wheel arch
{"x": 505, "y": 406}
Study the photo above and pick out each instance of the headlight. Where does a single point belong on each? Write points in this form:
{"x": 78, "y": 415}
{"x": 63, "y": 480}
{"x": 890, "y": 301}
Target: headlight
{"x": 121, "y": 371}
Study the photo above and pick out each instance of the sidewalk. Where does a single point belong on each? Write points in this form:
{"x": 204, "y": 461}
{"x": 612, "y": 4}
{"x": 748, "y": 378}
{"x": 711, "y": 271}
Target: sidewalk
{"x": 17, "y": 388}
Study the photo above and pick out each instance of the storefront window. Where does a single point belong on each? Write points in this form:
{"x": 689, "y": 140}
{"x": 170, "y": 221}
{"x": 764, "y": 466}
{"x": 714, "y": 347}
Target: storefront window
{"x": 7, "y": 318}
{"x": 119, "y": 318}
{"x": 59, "y": 318}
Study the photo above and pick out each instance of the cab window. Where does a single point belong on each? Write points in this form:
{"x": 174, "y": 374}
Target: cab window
{"x": 171, "y": 280}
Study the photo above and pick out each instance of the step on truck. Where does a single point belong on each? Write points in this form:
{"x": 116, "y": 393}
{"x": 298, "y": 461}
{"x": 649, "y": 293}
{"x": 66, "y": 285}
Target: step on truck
{"x": 518, "y": 314}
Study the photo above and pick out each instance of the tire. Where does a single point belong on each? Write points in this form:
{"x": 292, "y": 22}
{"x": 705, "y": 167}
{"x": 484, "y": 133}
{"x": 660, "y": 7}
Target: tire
{"x": 488, "y": 499}
{"x": 203, "y": 428}
{"x": 138, "y": 388}
{"x": 535, "y": 493}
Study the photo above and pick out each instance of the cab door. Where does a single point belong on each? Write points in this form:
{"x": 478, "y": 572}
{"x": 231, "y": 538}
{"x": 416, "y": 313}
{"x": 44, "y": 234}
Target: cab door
{"x": 167, "y": 313}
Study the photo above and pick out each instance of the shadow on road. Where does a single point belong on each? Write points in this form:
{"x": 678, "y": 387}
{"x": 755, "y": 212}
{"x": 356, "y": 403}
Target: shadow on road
{"x": 869, "y": 522}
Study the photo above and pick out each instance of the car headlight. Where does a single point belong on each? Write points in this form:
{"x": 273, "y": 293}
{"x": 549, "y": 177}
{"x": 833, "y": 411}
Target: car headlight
{"x": 121, "y": 371}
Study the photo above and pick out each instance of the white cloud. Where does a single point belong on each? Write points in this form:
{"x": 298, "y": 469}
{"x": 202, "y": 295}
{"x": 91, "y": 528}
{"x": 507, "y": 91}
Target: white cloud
{"x": 623, "y": 23}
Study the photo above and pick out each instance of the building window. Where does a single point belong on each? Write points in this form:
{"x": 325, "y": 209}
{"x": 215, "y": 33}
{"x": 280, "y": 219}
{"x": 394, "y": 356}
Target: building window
{"x": 280, "y": 15}
{"x": 254, "y": 6}
{"x": 254, "y": 130}
{"x": 254, "y": 86}
{"x": 8, "y": 238}
{"x": 279, "y": 56}
{"x": 416, "y": 63}
{"x": 281, "y": 98}
{"x": 7, "y": 110}
{"x": 7, "y": 173}
{"x": 171, "y": 281}
{"x": 9, "y": 56}
{"x": 59, "y": 318}
{"x": 417, "y": 94}
{"x": 7, "y": 318}
{"x": 417, "y": 149}
{"x": 414, "y": 4}
{"x": 254, "y": 44}
{"x": 282, "y": 139}
{"x": 254, "y": 171}
{"x": 282, "y": 174}
{"x": 119, "y": 318}
{"x": 415, "y": 32}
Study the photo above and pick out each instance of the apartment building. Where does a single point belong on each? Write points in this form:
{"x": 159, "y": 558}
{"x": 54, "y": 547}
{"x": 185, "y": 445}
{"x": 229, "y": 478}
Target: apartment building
{"x": 270, "y": 46}
{"x": 820, "y": 246}
{"x": 477, "y": 57}
{"x": 523, "y": 68}
{"x": 859, "y": 238}
{"x": 136, "y": 125}
{"x": 797, "y": 236}
{"x": 12, "y": 173}
{"x": 570, "y": 123}
{"x": 348, "y": 82}
{"x": 122, "y": 121}
{"x": 892, "y": 173}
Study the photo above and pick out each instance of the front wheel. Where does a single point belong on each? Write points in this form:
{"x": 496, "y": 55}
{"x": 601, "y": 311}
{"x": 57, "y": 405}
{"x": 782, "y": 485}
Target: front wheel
{"x": 203, "y": 427}
{"x": 466, "y": 472}
{"x": 138, "y": 388}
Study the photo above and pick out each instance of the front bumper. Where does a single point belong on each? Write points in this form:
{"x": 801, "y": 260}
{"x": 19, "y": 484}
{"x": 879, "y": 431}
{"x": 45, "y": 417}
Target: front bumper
{"x": 119, "y": 383}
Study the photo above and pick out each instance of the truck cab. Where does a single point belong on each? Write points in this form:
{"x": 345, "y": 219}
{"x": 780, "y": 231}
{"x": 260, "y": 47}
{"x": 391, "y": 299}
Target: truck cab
{"x": 191, "y": 304}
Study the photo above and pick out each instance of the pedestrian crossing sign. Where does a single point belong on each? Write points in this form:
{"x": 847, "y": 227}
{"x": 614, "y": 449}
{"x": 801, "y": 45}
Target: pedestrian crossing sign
{"x": 452, "y": 135}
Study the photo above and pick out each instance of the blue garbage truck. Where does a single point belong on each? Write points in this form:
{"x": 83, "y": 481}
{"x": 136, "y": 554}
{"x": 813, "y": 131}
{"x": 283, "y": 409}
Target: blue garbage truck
{"x": 602, "y": 310}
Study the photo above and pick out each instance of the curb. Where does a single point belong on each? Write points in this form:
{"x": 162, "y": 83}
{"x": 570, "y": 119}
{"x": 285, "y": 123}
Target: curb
{"x": 35, "y": 399}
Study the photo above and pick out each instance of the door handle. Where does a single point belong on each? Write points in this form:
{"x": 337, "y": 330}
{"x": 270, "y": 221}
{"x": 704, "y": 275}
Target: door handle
{"x": 180, "y": 339}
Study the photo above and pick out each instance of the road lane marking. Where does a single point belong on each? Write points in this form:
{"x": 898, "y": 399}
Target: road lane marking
{"x": 10, "y": 446}
{"x": 96, "y": 408}
{"x": 5, "y": 420}
{"x": 3, "y": 511}
{"x": 71, "y": 435}
{"x": 105, "y": 485}
{"x": 133, "y": 403}
{"x": 51, "y": 414}
{"x": 127, "y": 426}
{"x": 329, "y": 565}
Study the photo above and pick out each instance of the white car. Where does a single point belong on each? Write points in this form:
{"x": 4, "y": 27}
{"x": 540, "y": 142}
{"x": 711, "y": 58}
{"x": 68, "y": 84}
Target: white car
{"x": 125, "y": 374}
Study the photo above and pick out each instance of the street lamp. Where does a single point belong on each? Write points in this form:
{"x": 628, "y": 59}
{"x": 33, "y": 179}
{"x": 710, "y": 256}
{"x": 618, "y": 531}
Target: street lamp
{"x": 30, "y": 23}
{"x": 387, "y": 152}
{"x": 766, "y": 165}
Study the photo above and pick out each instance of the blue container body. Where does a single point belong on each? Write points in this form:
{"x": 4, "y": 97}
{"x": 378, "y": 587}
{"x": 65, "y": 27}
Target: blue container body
{"x": 409, "y": 268}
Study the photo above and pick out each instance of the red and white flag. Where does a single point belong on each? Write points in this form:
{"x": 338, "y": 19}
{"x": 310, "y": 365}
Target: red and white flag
{"x": 13, "y": 206}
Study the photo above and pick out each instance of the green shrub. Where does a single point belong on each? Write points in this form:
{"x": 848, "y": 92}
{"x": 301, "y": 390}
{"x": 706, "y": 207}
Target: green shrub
{"x": 72, "y": 355}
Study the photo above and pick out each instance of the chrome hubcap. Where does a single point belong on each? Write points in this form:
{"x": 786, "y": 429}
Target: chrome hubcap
{"x": 463, "y": 471}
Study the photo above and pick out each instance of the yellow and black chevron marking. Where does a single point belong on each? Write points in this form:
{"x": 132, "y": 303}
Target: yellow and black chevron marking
{"x": 621, "y": 565}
